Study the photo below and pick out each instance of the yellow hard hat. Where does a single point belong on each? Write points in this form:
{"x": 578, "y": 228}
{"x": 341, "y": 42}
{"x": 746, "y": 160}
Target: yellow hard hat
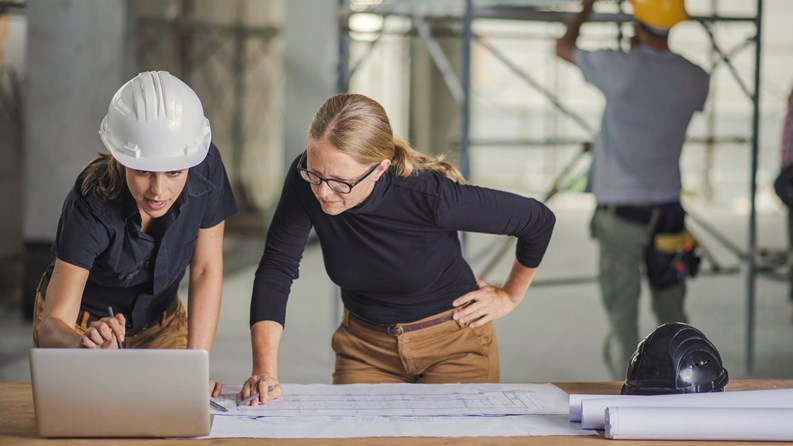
{"x": 661, "y": 14}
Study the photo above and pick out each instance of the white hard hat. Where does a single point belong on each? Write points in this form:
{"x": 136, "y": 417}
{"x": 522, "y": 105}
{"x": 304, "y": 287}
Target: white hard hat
{"x": 156, "y": 123}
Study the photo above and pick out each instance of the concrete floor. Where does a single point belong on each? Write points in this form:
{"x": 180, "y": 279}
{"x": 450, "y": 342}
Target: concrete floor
{"x": 554, "y": 335}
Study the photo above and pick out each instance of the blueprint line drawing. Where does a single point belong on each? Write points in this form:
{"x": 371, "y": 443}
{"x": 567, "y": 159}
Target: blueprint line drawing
{"x": 399, "y": 410}
{"x": 355, "y": 400}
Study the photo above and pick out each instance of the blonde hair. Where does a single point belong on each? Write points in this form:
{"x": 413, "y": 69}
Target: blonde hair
{"x": 358, "y": 126}
{"x": 104, "y": 176}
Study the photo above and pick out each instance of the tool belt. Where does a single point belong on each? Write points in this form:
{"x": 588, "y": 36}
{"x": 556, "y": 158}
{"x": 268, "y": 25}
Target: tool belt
{"x": 637, "y": 214}
{"x": 398, "y": 329}
{"x": 672, "y": 255}
{"x": 671, "y": 258}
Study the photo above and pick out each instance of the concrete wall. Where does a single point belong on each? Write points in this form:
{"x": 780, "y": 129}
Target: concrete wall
{"x": 77, "y": 53}
{"x": 435, "y": 115}
{"x": 231, "y": 54}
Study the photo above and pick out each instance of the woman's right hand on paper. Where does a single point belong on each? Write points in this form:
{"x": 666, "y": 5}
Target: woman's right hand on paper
{"x": 105, "y": 333}
{"x": 267, "y": 386}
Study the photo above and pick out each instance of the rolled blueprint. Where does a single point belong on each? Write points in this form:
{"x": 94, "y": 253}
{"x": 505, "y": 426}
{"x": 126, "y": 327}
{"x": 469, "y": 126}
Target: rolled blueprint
{"x": 696, "y": 423}
{"x": 576, "y": 398}
{"x": 593, "y": 411}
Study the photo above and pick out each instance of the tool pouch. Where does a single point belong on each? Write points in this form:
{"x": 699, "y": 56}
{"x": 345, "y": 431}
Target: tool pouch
{"x": 671, "y": 258}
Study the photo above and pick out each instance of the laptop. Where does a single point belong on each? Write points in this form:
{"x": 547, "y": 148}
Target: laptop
{"x": 120, "y": 393}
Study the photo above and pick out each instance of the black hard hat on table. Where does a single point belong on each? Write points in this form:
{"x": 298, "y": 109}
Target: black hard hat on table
{"x": 675, "y": 358}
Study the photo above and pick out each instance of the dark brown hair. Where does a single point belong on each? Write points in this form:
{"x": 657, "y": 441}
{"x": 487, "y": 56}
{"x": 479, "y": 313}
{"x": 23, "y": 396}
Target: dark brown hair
{"x": 103, "y": 176}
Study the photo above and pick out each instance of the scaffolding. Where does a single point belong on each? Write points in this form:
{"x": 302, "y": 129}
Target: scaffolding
{"x": 429, "y": 20}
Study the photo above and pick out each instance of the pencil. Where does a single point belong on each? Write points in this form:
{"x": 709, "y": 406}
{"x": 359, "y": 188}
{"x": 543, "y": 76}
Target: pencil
{"x": 253, "y": 396}
{"x": 249, "y": 399}
{"x": 110, "y": 311}
{"x": 217, "y": 406}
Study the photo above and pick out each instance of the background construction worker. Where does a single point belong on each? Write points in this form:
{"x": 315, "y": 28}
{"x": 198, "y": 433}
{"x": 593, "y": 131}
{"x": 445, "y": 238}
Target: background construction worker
{"x": 651, "y": 94}
{"x": 135, "y": 219}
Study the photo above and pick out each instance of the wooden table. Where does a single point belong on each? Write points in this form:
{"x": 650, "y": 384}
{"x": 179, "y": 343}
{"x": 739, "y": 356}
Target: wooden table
{"x": 18, "y": 425}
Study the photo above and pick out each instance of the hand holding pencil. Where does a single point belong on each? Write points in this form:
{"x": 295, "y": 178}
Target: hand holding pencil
{"x": 107, "y": 332}
{"x": 259, "y": 389}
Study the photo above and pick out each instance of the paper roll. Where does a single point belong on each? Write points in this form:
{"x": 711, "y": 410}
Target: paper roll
{"x": 575, "y": 403}
{"x": 697, "y": 423}
{"x": 593, "y": 411}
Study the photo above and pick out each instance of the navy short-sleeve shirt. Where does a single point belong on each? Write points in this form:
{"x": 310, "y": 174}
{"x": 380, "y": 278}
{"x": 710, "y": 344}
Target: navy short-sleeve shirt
{"x": 136, "y": 273}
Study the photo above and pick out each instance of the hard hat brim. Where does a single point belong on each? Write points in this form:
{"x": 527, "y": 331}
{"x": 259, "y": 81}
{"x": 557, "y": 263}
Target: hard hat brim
{"x": 161, "y": 165}
{"x": 192, "y": 159}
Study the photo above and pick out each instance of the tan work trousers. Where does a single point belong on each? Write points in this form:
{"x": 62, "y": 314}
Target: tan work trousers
{"x": 168, "y": 332}
{"x": 443, "y": 353}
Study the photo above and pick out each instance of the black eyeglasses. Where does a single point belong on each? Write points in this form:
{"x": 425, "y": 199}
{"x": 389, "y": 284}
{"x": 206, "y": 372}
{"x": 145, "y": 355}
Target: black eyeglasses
{"x": 339, "y": 186}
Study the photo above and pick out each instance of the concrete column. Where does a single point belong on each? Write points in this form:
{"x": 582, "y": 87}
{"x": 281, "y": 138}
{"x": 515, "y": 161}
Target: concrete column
{"x": 435, "y": 115}
{"x": 77, "y": 57}
{"x": 311, "y": 47}
{"x": 11, "y": 31}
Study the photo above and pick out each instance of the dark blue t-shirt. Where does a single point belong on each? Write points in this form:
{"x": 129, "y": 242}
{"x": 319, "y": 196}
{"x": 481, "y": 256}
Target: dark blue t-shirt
{"x": 397, "y": 256}
{"x": 138, "y": 273}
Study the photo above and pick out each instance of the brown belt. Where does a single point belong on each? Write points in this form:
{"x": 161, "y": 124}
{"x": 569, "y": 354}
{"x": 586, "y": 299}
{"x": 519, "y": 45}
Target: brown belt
{"x": 90, "y": 317}
{"x": 398, "y": 329}
{"x": 135, "y": 330}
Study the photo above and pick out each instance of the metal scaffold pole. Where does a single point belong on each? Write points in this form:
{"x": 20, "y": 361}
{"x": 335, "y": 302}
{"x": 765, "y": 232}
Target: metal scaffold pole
{"x": 343, "y": 67}
{"x": 752, "y": 245}
{"x": 465, "y": 106}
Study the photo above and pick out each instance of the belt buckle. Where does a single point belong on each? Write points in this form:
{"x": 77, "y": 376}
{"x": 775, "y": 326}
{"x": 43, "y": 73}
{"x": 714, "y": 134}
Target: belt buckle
{"x": 396, "y": 330}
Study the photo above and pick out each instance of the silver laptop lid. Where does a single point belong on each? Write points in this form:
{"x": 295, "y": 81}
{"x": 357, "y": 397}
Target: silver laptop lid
{"x": 120, "y": 393}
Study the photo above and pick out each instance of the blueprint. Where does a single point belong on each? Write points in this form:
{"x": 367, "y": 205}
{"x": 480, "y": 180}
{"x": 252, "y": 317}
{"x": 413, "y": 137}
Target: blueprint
{"x": 359, "y": 400}
{"x": 399, "y": 410}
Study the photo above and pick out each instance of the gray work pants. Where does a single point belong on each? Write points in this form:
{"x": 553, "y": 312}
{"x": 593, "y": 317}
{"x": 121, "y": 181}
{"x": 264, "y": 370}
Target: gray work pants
{"x": 622, "y": 246}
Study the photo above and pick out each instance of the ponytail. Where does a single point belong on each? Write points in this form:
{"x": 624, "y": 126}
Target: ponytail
{"x": 407, "y": 160}
{"x": 103, "y": 176}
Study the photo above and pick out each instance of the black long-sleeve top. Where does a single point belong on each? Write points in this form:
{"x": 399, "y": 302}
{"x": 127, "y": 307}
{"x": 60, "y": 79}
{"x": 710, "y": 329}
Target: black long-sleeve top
{"x": 397, "y": 256}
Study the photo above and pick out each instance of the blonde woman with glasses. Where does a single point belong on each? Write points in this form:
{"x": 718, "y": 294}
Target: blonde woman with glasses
{"x": 387, "y": 218}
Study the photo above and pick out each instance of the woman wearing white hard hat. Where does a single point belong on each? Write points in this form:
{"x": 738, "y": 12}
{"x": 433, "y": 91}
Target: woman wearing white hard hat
{"x": 134, "y": 220}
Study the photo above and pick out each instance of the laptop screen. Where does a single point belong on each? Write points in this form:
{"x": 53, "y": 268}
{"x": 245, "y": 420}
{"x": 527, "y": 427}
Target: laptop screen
{"x": 120, "y": 393}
